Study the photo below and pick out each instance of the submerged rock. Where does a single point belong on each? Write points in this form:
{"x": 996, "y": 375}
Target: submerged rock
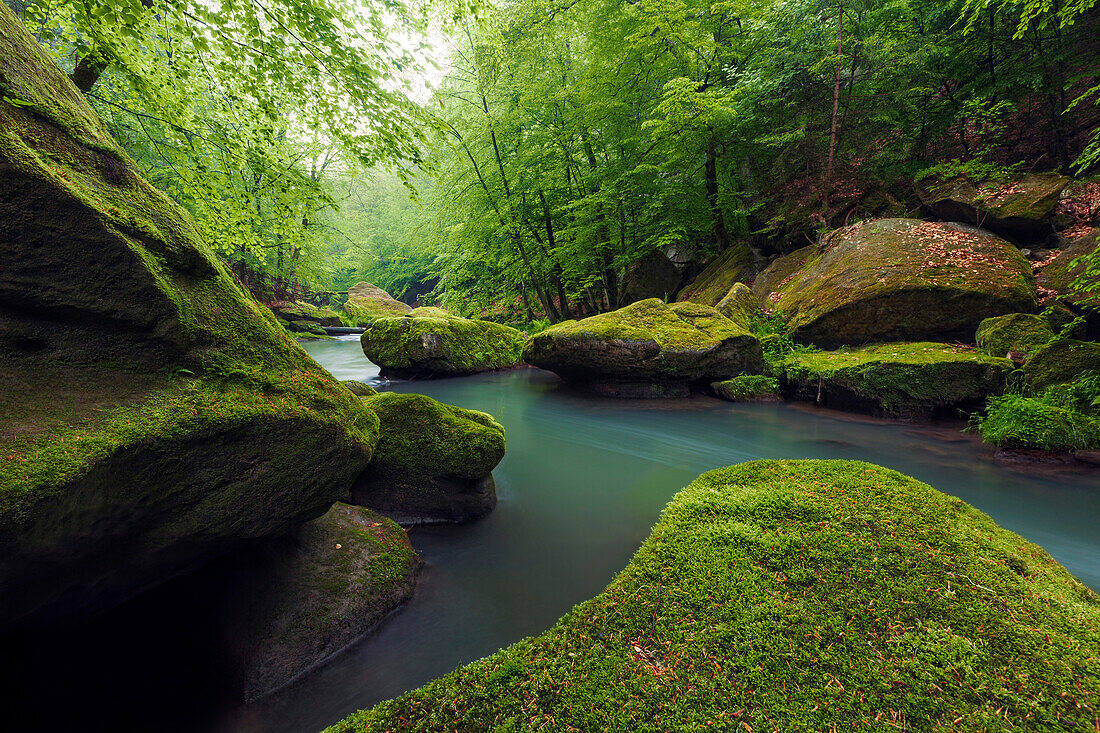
{"x": 647, "y": 349}
{"x": 653, "y": 276}
{"x": 296, "y": 601}
{"x": 152, "y": 415}
{"x": 433, "y": 463}
{"x": 1019, "y": 209}
{"x": 1018, "y": 333}
{"x": 903, "y": 280}
{"x": 734, "y": 265}
{"x": 367, "y": 303}
{"x": 898, "y": 601}
{"x": 430, "y": 342}
{"x": 897, "y": 379}
{"x": 1059, "y": 361}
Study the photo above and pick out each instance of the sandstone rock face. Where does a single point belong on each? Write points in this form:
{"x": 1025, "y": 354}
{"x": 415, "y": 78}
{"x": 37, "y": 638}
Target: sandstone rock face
{"x": 903, "y": 280}
{"x": 767, "y": 284}
{"x": 912, "y": 380}
{"x": 735, "y": 265}
{"x": 1017, "y": 209}
{"x": 433, "y": 463}
{"x": 653, "y": 276}
{"x": 648, "y": 349}
{"x": 429, "y": 342}
{"x": 152, "y": 415}
{"x": 366, "y": 303}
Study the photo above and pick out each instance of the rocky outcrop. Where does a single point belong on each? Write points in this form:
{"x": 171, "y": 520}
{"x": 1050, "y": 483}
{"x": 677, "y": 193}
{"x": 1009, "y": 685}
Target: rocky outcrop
{"x": 739, "y": 305}
{"x": 152, "y": 415}
{"x": 1059, "y": 361}
{"x": 433, "y": 463}
{"x": 1057, "y": 278}
{"x": 653, "y": 276}
{"x": 648, "y": 349}
{"x": 295, "y": 601}
{"x": 1017, "y": 334}
{"x": 367, "y": 303}
{"x": 736, "y": 264}
{"x": 767, "y": 284}
{"x": 1019, "y": 209}
{"x": 911, "y": 380}
{"x": 300, "y": 312}
{"x": 748, "y": 388}
{"x": 430, "y": 342}
{"x": 903, "y": 280}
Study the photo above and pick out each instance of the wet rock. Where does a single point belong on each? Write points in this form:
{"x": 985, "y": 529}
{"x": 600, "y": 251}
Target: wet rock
{"x": 653, "y": 276}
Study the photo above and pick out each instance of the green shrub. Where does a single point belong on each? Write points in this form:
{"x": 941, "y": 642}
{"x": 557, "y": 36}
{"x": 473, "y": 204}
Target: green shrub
{"x": 1014, "y": 421}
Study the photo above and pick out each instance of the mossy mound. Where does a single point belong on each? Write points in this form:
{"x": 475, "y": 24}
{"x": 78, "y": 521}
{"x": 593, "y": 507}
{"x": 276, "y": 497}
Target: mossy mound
{"x": 430, "y": 342}
{"x": 1060, "y": 361}
{"x": 301, "y": 312}
{"x": 904, "y": 280}
{"x": 1022, "y": 333}
{"x": 897, "y": 379}
{"x": 1058, "y": 277}
{"x": 739, "y": 305}
{"x": 647, "y": 349}
{"x": 367, "y": 303}
{"x": 297, "y": 601}
{"x": 777, "y": 274}
{"x": 146, "y": 402}
{"x": 433, "y": 463}
{"x": 734, "y": 265}
{"x": 797, "y": 596}
{"x": 748, "y": 388}
{"x": 1018, "y": 209}
{"x": 653, "y": 276}
{"x": 305, "y": 328}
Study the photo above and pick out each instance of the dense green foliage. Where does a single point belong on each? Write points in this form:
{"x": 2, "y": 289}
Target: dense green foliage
{"x": 797, "y": 596}
{"x": 1062, "y": 417}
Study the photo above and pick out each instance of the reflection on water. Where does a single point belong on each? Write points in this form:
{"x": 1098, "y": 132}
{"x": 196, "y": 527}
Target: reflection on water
{"x": 581, "y": 485}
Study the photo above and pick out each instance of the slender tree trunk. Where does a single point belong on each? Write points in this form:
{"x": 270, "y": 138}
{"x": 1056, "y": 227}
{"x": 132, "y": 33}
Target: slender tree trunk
{"x": 721, "y": 234}
{"x": 836, "y": 102}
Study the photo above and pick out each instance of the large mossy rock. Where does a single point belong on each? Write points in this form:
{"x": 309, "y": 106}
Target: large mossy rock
{"x": 739, "y": 305}
{"x": 1060, "y": 361}
{"x": 1019, "y": 209}
{"x": 734, "y": 265}
{"x": 777, "y": 274}
{"x": 653, "y": 276}
{"x": 647, "y": 349}
{"x": 904, "y": 280}
{"x": 430, "y": 342}
{"x": 298, "y": 600}
{"x": 1019, "y": 333}
{"x": 434, "y": 462}
{"x": 152, "y": 415}
{"x": 1058, "y": 277}
{"x": 367, "y": 303}
{"x": 302, "y": 312}
{"x": 797, "y": 596}
{"x": 897, "y": 379}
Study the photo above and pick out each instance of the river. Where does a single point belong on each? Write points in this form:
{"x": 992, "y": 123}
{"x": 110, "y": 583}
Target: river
{"x": 582, "y": 483}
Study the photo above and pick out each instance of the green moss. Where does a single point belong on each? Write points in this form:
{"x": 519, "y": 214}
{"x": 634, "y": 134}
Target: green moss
{"x": 430, "y": 341}
{"x": 734, "y": 265}
{"x": 301, "y": 312}
{"x": 748, "y": 388}
{"x": 1068, "y": 276}
{"x": 797, "y": 596}
{"x": 1019, "y": 332}
{"x": 739, "y": 305}
{"x": 359, "y": 389}
{"x": 1012, "y": 421}
{"x": 367, "y": 303}
{"x": 899, "y": 378}
{"x": 1059, "y": 361}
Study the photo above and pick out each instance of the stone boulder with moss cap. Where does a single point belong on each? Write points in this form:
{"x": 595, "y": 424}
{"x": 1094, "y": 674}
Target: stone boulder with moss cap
{"x": 903, "y": 280}
{"x": 367, "y": 303}
{"x": 1060, "y": 275}
{"x": 152, "y": 415}
{"x": 653, "y": 276}
{"x": 910, "y": 380}
{"x": 299, "y": 313}
{"x": 736, "y": 264}
{"x": 647, "y": 349}
{"x": 1059, "y": 361}
{"x": 797, "y": 596}
{"x": 1017, "y": 333}
{"x": 430, "y": 342}
{"x": 434, "y": 462}
{"x": 1020, "y": 209}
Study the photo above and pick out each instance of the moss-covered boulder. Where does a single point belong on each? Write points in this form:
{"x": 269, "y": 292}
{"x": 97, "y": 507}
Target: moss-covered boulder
{"x": 653, "y": 276}
{"x": 897, "y": 379}
{"x": 301, "y": 312}
{"x": 1060, "y": 361}
{"x": 797, "y": 596}
{"x": 303, "y": 328}
{"x": 647, "y": 349}
{"x": 152, "y": 415}
{"x": 298, "y": 600}
{"x": 736, "y": 264}
{"x": 430, "y": 342}
{"x": 367, "y": 303}
{"x": 748, "y": 388}
{"x": 777, "y": 274}
{"x": 739, "y": 305}
{"x": 434, "y": 462}
{"x": 1058, "y": 277}
{"x": 1020, "y": 209}
{"x": 904, "y": 280}
{"x": 1019, "y": 333}
{"x": 359, "y": 389}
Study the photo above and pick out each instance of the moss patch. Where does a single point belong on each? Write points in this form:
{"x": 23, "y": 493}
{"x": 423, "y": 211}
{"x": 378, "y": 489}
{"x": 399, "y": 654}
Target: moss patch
{"x": 739, "y": 305}
{"x": 1017, "y": 208}
{"x": 432, "y": 342}
{"x": 901, "y": 379}
{"x": 1060, "y": 361}
{"x": 1023, "y": 333}
{"x": 735, "y": 265}
{"x": 300, "y": 312}
{"x": 367, "y": 303}
{"x": 748, "y": 388}
{"x": 797, "y": 596}
{"x": 1065, "y": 270}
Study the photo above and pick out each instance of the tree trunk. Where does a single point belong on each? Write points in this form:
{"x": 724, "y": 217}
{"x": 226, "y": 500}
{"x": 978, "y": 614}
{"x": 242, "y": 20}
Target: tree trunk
{"x": 836, "y": 102}
{"x": 721, "y": 234}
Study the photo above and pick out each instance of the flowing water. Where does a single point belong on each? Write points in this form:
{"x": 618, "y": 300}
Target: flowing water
{"x": 582, "y": 483}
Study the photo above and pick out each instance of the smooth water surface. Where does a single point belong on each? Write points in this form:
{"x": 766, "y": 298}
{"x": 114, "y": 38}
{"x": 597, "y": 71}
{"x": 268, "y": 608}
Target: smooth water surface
{"x": 582, "y": 483}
